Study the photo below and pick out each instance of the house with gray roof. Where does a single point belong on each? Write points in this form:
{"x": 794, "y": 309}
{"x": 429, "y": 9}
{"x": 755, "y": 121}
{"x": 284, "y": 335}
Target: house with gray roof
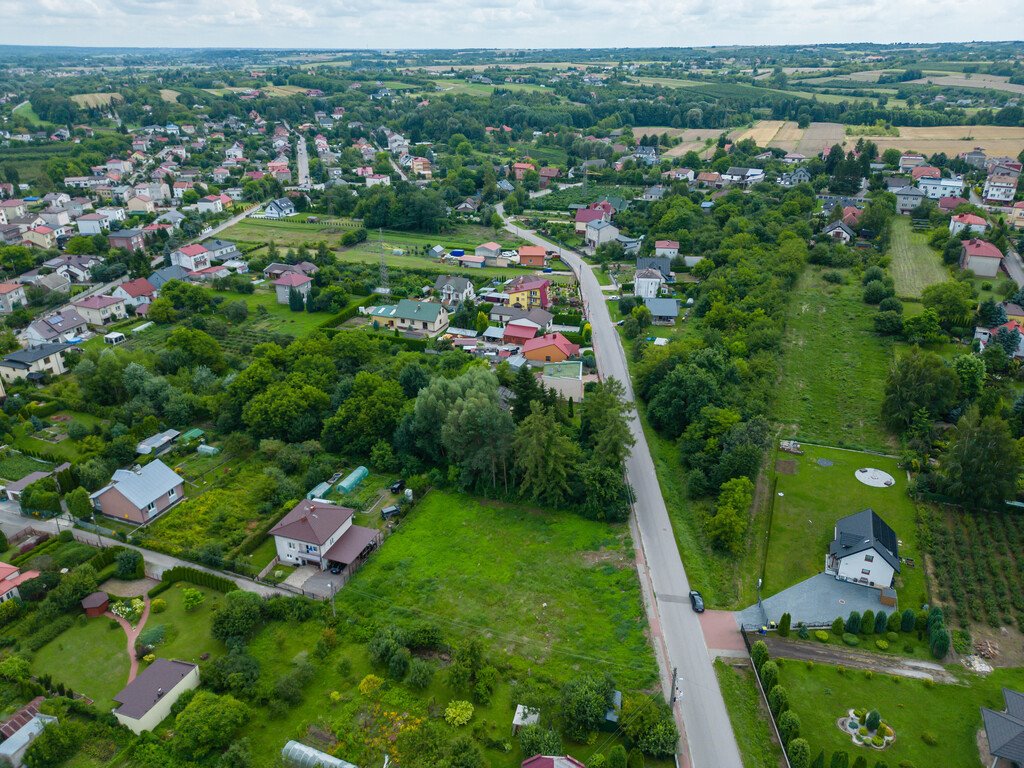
{"x": 864, "y": 550}
{"x": 141, "y": 493}
{"x": 147, "y": 700}
{"x": 1005, "y": 730}
{"x": 34, "y": 363}
{"x": 62, "y": 326}
{"x": 661, "y": 263}
{"x": 452, "y": 289}
{"x": 663, "y": 311}
{"x": 165, "y": 274}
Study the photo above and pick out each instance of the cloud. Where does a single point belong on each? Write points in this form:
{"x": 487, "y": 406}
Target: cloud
{"x": 492, "y": 23}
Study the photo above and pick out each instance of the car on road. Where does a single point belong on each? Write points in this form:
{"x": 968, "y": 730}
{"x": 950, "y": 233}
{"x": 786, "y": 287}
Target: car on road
{"x": 697, "y": 601}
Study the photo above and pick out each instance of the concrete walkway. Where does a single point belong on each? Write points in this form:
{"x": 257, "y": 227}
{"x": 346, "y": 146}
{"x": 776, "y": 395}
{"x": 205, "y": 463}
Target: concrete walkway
{"x": 133, "y": 634}
{"x": 816, "y": 601}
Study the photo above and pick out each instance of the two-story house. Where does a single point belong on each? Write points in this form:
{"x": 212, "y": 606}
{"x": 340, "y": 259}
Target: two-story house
{"x": 12, "y": 297}
{"x": 321, "y": 534}
{"x": 453, "y": 290}
{"x": 864, "y": 550}
{"x": 34, "y": 363}
{"x": 100, "y": 310}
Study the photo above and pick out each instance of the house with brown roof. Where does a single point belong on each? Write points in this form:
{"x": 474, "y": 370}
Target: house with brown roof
{"x": 147, "y": 700}
{"x": 12, "y": 297}
{"x": 292, "y": 281}
{"x": 136, "y": 292}
{"x": 100, "y": 310}
{"x": 321, "y": 534}
{"x": 532, "y": 256}
{"x": 981, "y": 257}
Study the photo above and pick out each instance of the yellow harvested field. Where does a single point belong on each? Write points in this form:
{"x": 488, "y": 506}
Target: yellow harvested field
{"x": 788, "y": 136}
{"x": 89, "y": 100}
{"x": 762, "y": 132}
{"x": 818, "y": 136}
{"x": 282, "y": 90}
{"x": 686, "y": 134}
{"x": 168, "y": 95}
{"x": 995, "y": 82}
{"x": 954, "y": 139}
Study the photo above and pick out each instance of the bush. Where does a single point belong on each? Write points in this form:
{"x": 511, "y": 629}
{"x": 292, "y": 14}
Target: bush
{"x": 892, "y": 637}
{"x": 851, "y": 639}
{"x": 799, "y": 752}
{"x": 821, "y": 636}
{"x": 129, "y": 565}
{"x": 881, "y": 620}
{"x": 158, "y": 606}
{"x": 882, "y": 645}
{"x": 769, "y": 675}
{"x": 878, "y": 741}
{"x": 370, "y": 684}
{"x": 458, "y": 713}
{"x": 961, "y": 641}
{"x": 876, "y": 291}
{"x": 867, "y": 622}
{"x": 907, "y": 620}
{"x": 939, "y": 643}
{"x": 834, "y": 277}
{"x": 421, "y": 674}
{"x": 873, "y": 720}
{"x": 778, "y": 700}
{"x": 759, "y": 654}
{"x": 929, "y": 738}
{"x": 838, "y": 626}
{"x": 784, "y": 625}
{"x": 853, "y": 623}
{"x": 789, "y": 726}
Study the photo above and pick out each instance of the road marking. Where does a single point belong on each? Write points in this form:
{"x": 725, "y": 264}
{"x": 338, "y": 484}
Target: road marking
{"x": 674, "y": 598}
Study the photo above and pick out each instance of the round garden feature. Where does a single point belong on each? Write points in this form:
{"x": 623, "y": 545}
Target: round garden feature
{"x": 867, "y": 729}
{"x": 876, "y": 478}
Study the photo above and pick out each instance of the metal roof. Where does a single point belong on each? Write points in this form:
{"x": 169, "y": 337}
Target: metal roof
{"x": 866, "y": 530}
{"x": 143, "y": 485}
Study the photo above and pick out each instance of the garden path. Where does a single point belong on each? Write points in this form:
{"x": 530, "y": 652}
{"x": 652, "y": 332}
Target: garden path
{"x": 779, "y": 647}
{"x": 132, "y": 634}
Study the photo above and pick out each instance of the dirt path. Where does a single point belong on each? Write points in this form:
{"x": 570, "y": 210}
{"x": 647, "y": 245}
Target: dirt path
{"x": 132, "y": 634}
{"x": 852, "y": 658}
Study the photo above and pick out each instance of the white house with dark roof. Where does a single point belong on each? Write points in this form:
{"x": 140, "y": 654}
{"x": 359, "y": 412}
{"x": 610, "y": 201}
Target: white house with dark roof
{"x": 60, "y": 326}
{"x": 864, "y": 550}
{"x": 147, "y": 700}
{"x": 321, "y": 534}
{"x": 452, "y": 289}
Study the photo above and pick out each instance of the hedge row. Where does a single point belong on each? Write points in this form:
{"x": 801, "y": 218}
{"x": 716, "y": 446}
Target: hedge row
{"x": 192, "y": 576}
{"x": 105, "y": 557}
{"x": 48, "y": 632}
{"x": 347, "y": 313}
{"x": 48, "y": 544}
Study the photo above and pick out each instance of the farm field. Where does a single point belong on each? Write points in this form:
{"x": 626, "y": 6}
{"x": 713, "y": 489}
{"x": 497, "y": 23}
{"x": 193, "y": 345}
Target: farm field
{"x": 169, "y": 95}
{"x": 822, "y": 694}
{"x": 915, "y": 265}
{"x": 281, "y": 90}
{"x": 670, "y": 82}
{"x": 743, "y": 701}
{"x": 25, "y": 111}
{"x": 96, "y": 99}
{"x": 992, "y": 82}
{"x": 815, "y": 496}
{"x": 833, "y": 366}
{"x": 954, "y": 139}
{"x": 482, "y": 89}
{"x": 763, "y": 132}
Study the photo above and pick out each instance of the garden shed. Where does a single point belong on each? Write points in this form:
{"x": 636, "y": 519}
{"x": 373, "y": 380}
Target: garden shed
{"x": 95, "y": 604}
{"x": 353, "y": 480}
{"x": 303, "y": 756}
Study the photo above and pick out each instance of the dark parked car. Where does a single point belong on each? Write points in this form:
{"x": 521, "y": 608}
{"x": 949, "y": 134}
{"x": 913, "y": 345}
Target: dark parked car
{"x": 397, "y": 487}
{"x": 388, "y": 512}
{"x": 697, "y": 601}
{"x": 335, "y": 569}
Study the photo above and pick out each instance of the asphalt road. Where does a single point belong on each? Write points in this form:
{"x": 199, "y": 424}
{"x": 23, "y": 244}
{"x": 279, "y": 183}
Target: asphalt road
{"x": 302, "y": 161}
{"x": 708, "y": 740}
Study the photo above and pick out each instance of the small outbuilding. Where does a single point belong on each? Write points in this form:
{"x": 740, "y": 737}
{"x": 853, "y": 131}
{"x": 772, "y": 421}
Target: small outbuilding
{"x": 523, "y": 717}
{"x": 353, "y": 480}
{"x": 304, "y": 756}
{"x": 95, "y": 604}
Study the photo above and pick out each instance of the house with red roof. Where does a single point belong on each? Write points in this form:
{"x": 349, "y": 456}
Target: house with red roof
{"x": 925, "y": 172}
{"x": 517, "y": 333}
{"x": 100, "y": 310}
{"x": 981, "y": 257}
{"x": 972, "y": 222}
{"x": 191, "y": 257}
{"x": 136, "y": 292}
{"x": 550, "y": 348}
{"x": 666, "y": 248}
{"x": 519, "y": 170}
{"x": 851, "y": 216}
{"x": 586, "y": 215}
{"x": 950, "y": 204}
{"x": 11, "y": 578}
{"x": 528, "y": 293}
{"x": 321, "y": 534}
{"x": 210, "y": 204}
{"x": 40, "y": 237}
{"x": 289, "y": 281}
{"x": 546, "y": 761}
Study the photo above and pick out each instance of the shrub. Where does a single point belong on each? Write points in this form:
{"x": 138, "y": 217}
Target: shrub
{"x": 784, "y": 625}
{"x": 907, "y": 619}
{"x": 872, "y": 273}
{"x": 853, "y": 623}
{"x": 759, "y": 654}
{"x": 868, "y": 674}
{"x": 458, "y": 713}
{"x": 398, "y": 664}
{"x": 860, "y": 714}
{"x": 799, "y": 752}
{"x": 778, "y": 700}
{"x": 874, "y": 719}
{"x": 867, "y": 622}
{"x": 892, "y": 637}
{"x": 875, "y": 291}
{"x": 882, "y": 645}
{"x": 191, "y": 598}
{"x": 821, "y": 635}
{"x": 878, "y": 741}
{"x": 929, "y": 738}
{"x": 769, "y": 675}
{"x": 893, "y": 623}
{"x": 129, "y": 565}
{"x": 370, "y": 684}
{"x": 158, "y": 606}
{"x": 789, "y": 726}
{"x": 961, "y": 641}
{"x": 908, "y": 647}
{"x": 421, "y": 673}
{"x": 940, "y": 642}
{"x": 838, "y": 626}
{"x": 851, "y": 639}
{"x": 802, "y": 631}
{"x": 881, "y": 620}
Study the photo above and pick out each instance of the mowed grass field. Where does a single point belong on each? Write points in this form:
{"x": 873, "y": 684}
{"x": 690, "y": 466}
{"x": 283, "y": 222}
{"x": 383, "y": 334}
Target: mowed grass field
{"x": 914, "y": 265}
{"x": 169, "y": 95}
{"x": 833, "y": 366}
{"x": 954, "y": 139}
{"x": 91, "y": 658}
{"x": 96, "y": 99}
{"x": 822, "y": 694}
{"x": 814, "y": 497}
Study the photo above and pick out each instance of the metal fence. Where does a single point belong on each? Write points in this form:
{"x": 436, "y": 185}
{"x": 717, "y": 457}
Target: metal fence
{"x": 764, "y": 698}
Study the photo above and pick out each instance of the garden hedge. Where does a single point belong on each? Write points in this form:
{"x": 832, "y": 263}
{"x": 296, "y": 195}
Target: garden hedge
{"x": 192, "y": 576}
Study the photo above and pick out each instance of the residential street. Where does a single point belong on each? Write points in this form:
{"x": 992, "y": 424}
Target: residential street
{"x": 708, "y": 740}
{"x": 302, "y": 161}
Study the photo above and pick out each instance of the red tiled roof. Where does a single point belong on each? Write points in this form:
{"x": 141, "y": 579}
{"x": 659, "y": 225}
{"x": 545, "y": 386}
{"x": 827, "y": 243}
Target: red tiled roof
{"x": 138, "y": 287}
{"x": 313, "y": 522}
{"x": 666, "y": 244}
{"x": 192, "y": 250}
{"x": 532, "y": 250}
{"x": 552, "y": 339}
{"x": 586, "y": 215}
{"x": 975, "y": 247}
{"x": 969, "y": 219}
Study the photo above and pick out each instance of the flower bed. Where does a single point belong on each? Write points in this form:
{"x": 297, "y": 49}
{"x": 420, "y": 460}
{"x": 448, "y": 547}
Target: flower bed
{"x": 855, "y": 724}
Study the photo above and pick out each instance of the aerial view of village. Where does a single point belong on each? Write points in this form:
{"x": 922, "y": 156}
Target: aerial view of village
{"x": 411, "y": 407}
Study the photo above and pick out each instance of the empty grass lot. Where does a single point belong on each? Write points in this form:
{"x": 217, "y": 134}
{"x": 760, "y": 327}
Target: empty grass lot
{"x": 749, "y": 723}
{"x": 821, "y": 695}
{"x": 915, "y": 265}
{"x": 833, "y": 367}
{"x": 815, "y": 497}
{"x": 91, "y": 658}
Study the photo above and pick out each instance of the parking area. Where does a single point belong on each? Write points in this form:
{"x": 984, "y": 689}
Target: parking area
{"x": 721, "y": 633}
{"x": 816, "y": 601}
{"x": 323, "y": 583}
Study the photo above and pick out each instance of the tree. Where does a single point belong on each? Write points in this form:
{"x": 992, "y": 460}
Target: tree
{"x": 918, "y": 380}
{"x": 604, "y": 423}
{"x": 728, "y": 526}
{"x": 536, "y": 740}
{"x": 191, "y": 599}
{"x": 296, "y": 301}
{"x": 238, "y": 618}
{"x": 789, "y": 727}
{"x": 479, "y": 433}
{"x": 982, "y": 462}
{"x": 778, "y": 700}
{"x": 79, "y": 504}
{"x": 370, "y": 413}
{"x": 840, "y": 759}
{"x": 867, "y": 622}
{"x": 544, "y": 455}
{"x": 526, "y": 390}
{"x": 873, "y": 720}
{"x": 769, "y": 675}
{"x": 680, "y": 397}
{"x": 952, "y": 302}
{"x": 129, "y": 565}
{"x": 799, "y": 751}
{"x": 923, "y": 328}
{"x": 288, "y": 412}
{"x": 784, "y": 624}
{"x": 208, "y": 724}
{"x": 617, "y": 757}
{"x": 853, "y": 623}
{"x": 971, "y": 371}
{"x": 584, "y": 702}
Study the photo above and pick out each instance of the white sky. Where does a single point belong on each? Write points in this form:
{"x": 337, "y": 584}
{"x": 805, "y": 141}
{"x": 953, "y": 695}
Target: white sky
{"x": 498, "y": 23}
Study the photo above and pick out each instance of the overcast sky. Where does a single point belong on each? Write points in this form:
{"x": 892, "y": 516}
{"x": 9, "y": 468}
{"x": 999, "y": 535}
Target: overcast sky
{"x": 498, "y": 23}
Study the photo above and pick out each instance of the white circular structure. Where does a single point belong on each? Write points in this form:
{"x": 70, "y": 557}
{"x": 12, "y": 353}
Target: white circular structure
{"x": 876, "y": 478}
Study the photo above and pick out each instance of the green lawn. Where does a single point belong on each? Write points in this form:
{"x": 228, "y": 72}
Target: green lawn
{"x": 188, "y": 634}
{"x": 914, "y": 265}
{"x": 26, "y": 112}
{"x": 91, "y": 658}
{"x": 279, "y": 317}
{"x": 833, "y": 366}
{"x": 822, "y": 694}
{"x": 453, "y": 86}
{"x": 743, "y": 700}
{"x": 814, "y": 497}
{"x": 14, "y": 466}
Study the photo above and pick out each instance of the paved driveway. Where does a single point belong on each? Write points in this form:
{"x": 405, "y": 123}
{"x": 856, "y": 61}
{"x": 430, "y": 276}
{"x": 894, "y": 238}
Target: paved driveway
{"x": 322, "y": 583}
{"x": 817, "y": 600}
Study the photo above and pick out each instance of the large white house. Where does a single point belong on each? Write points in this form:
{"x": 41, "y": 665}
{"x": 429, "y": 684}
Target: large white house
{"x": 865, "y": 550}
{"x": 647, "y": 283}
{"x": 321, "y": 534}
